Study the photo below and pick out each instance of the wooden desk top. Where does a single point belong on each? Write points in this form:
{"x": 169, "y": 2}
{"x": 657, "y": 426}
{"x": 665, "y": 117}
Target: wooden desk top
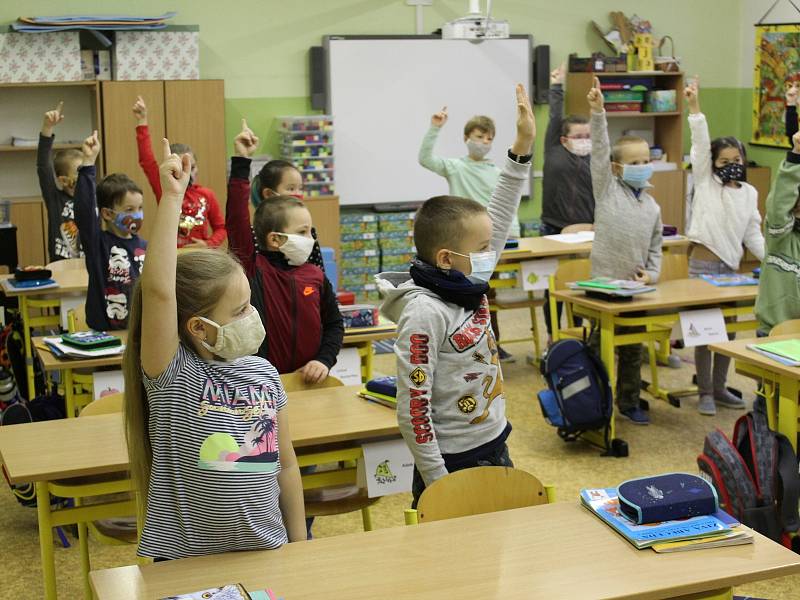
{"x": 357, "y": 335}
{"x": 542, "y": 247}
{"x": 95, "y": 445}
{"x": 70, "y": 281}
{"x": 737, "y": 349}
{"x": 677, "y": 294}
{"x": 550, "y": 551}
{"x": 51, "y": 363}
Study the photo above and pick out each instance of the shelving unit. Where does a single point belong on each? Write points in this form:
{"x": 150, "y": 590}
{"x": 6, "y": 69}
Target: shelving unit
{"x": 307, "y": 142}
{"x": 667, "y": 127}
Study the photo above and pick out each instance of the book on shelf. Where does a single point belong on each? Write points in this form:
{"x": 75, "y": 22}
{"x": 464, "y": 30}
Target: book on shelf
{"x": 604, "y": 503}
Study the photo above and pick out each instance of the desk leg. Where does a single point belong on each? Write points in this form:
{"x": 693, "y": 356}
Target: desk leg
{"x": 69, "y": 393}
{"x": 369, "y": 355}
{"x": 26, "y": 329}
{"x": 46, "y": 540}
{"x": 607, "y": 356}
{"x": 787, "y": 409}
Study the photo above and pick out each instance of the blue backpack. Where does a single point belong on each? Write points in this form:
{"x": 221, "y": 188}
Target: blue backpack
{"x": 578, "y": 398}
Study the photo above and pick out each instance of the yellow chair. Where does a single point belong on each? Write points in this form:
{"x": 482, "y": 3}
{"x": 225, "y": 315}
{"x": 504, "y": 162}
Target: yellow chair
{"x": 333, "y": 491}
{"x": 568, "y": 271}
{"x": 528, "y": 301}
{"x": 82, "y": 381}
{"x": 81, "y": 488}
{"x": 479, "y": 490}
{"x": 786, "y": 328}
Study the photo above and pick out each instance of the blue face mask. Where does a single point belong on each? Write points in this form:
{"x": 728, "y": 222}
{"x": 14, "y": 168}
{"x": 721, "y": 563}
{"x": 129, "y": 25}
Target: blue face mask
{"x": 637, "y": 176}
{"x": 482, "y": 265}
{"x": 129, "y": 221}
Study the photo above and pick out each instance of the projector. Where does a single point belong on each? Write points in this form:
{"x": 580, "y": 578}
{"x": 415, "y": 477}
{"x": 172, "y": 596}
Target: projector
{"x": 476, "y": 28}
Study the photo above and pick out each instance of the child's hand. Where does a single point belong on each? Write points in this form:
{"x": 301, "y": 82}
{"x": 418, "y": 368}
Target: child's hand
{"x": 692, "y": 95}
{"x": 796, "y": 143}
{"x": 314, "y": 372}
{"x": 175, "y": 172}
{"x": 557, "y": 75}
{"x": 526, "y": 124}
{"x": 51, "y": 119}
{"x": 140, "y": 111}
{"x": 90, "y": 149}
{"x": 440, "y": 118}
{"x": 595, "y": 97}
{"x": 246, "y": 142}
{"x": 792, "y": 89}
{"x": 642, "y": 275}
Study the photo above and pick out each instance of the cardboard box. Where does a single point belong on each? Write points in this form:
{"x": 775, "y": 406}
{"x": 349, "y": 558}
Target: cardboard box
{"x": 35, "y": 57}
{"x": 151, "y": 55}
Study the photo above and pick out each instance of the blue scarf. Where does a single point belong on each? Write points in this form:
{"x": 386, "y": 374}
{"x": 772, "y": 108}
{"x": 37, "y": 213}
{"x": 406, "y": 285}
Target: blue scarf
{"x": 451, "y": 286}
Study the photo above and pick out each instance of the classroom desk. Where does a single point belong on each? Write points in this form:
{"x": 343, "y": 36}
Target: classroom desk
{"x": 71, "y": 282}
{"x": 544, "y": 247}
{"x": 662, "y": 307}
{"x": 327, "y": 423}
{"x": 362, "y": 338}
{"x": 552, "y": 551}
{"x": 68, "y": 366}
{"x": 753, "y": 364}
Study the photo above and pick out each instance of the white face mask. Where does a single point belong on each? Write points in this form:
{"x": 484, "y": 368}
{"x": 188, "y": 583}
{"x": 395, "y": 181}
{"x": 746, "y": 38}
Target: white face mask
{"x": 482, "y": 265}
{"x": 239, "y": 338}
{"x": 579, "y": 146}
{"x": 478, "y": 150}
{"x": 296, "y": 248}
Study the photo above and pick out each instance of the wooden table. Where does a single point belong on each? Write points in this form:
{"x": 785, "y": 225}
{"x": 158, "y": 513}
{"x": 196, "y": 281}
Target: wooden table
{"x": 544, "y": 247}
{"x": 326, "y": 422}
{"x": 362, "y": 338}
{"x": 750, "y": 362}
{"x": 551, "y": 551}
{"x": 67, "y": 366}
{"x": 71, "y": 282}
{"x": 662, "y": 308}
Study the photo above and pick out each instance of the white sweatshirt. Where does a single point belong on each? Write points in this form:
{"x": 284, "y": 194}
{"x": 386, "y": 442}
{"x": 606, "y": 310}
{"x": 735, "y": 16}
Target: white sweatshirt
{"x": 722, "y": 217}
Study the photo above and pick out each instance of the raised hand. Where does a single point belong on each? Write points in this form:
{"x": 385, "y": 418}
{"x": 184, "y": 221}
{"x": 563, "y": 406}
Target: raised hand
{"x": 692, "y": 95}
{"x": 595, "y": 97}
{"x": 246, "y": 142}
{"x": 140, "y": 111}
{"x": 792, "y": 89}
{"x": 439, "y": 118}
{"x": 175, "y": 172}
{"x": 526, "y": 124}
{"x": 796, "y": 143}
{"x": 90, "y": 149}
{"x": 557, "y": 75}
{"x": 52, "y": 118}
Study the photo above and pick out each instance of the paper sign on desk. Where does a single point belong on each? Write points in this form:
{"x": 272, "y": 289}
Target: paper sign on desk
{"x": 535, "y": 274}
{"x": 387, "y": 467}
{"x": 703, "y": 327}
{"x": 106, "y": 383}
{"x": 348, "y": 367}
{"x": 69, "y": 303}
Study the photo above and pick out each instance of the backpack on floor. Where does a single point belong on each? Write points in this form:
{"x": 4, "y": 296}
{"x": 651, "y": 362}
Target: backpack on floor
{"x": 755, "y": 475}
{"x": 578, "y": 398}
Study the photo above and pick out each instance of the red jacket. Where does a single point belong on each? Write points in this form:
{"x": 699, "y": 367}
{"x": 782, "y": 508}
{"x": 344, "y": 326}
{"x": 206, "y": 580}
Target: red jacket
{"x": 297, "y": 304}
{"x": 200, "y": 207}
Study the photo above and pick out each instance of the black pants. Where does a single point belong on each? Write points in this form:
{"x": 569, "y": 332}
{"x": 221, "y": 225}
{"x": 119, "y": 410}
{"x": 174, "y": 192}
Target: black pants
{"x": 498, "y": 458}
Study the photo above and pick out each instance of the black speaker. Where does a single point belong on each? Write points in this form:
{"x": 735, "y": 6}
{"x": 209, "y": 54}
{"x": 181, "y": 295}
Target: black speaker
{"x": 541, "y": 74}
{"x": 317, "y": 77}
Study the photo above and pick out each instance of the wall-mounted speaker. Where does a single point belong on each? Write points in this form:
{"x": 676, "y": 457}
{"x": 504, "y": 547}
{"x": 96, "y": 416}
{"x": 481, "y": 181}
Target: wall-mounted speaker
{"x": 541, "y": 74}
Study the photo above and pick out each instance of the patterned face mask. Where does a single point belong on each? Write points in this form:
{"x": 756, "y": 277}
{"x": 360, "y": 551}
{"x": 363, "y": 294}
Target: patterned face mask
{"x": 730, "y": 172}
{"x": 129, "y": 221}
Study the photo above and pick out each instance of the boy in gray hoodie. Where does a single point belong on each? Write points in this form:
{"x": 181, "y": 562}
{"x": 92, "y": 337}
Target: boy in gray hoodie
{"x": 450, "y": 403}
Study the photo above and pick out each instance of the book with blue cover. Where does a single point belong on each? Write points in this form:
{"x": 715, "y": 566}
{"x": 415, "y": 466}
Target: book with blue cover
{"x": 729, "y": 280}
{"x": 604, "y": 503}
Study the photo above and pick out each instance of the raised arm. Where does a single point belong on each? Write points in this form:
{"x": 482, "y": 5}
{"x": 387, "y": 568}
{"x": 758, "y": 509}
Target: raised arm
{"x": 147, "y": 159}
{"x": 600, "y": 164}
{"x": 159, "y": 307}
{"x": 85, "y": 205}
{"x": 555, "y": 96}
{"x": 215, "y": 220}
{"x": 237, "y": 215}
{"x": 426, "y": 157}
{"x": 44, "y": 156}
{"x": 701, "y": 140}
{"x": 506, "y": 195}
{"x": 792, "y": 90}
{"x": 782, "y": 198}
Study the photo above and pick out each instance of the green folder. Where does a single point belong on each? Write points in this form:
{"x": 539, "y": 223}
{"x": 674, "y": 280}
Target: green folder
{"x": 787, "y": 348}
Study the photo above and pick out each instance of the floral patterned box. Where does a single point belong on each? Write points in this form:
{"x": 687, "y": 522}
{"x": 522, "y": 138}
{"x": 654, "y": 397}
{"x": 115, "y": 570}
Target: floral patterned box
{"x": 33, "y": 57}
{"x": 148, "y": 55}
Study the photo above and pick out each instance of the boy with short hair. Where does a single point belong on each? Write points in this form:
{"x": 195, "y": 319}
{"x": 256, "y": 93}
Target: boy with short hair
{"x": 450, "y": 404}
{"x": 57, "y": 177}
{"x": 473, "y": 176}
{"x": 628, "y": 234}
{"x": 778, "y": 288}
{"x": 115, "y": 253}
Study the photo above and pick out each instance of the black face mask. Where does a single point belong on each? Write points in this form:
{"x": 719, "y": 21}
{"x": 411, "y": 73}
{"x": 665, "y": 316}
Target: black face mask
{"x": 730, "y": 172}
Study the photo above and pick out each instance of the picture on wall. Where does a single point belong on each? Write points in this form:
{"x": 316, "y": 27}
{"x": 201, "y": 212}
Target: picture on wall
{"x": 777, "y": 61}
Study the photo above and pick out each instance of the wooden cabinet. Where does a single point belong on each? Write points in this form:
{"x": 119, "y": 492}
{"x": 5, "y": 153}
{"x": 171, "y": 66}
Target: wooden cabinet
{"x": 668, "y": 186}
{"x": 30, "y": 217}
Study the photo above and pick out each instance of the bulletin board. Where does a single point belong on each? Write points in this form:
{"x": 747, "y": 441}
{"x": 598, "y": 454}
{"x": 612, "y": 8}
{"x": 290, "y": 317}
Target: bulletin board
{"x": 777, "y": 60}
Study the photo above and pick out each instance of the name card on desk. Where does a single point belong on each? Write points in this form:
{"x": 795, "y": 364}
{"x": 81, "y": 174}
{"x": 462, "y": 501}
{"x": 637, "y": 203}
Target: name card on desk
{"x": 535, "y": 274}
{"x": 703, "y": 327}
{"x": 387, "y": 468}
{"x": 348, "y": 367}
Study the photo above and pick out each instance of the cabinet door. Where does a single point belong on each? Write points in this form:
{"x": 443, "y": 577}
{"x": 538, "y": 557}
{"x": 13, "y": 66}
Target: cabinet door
{"x": 119, "y": 134}
{"x": 29, "y": 216}
{"x": 668, "y": 191}
{"x": 195, "y": 115}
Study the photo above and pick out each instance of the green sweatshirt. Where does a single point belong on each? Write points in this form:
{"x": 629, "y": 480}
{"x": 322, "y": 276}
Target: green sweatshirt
{"x": 475, "y": 179}
{"x": 779, "y": 286}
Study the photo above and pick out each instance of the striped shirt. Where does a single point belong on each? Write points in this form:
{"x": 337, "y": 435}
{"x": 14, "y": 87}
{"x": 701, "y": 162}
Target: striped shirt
{"x": 214, "y": 435}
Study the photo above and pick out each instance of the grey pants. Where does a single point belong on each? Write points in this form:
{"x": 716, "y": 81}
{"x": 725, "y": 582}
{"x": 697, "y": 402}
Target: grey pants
{"x": 712, "y": 372}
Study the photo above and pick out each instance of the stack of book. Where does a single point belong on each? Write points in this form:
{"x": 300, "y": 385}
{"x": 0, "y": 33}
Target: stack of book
{"x": 786, "y": 352}
{"x": 611, "y": 287}
{"x": 85, "y": 344}
{"x": 709, "y": 531}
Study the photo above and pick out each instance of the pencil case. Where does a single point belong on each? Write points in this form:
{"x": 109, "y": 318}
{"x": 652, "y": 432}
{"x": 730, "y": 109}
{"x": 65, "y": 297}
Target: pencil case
{"x": 386, "y": 386}
{"x": 666, "y": 497}
{"x": 32, "y": 274}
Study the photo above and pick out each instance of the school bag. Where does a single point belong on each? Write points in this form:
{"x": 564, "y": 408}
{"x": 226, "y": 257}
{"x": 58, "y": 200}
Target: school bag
{"x": 578, "y": 398}
{"x": 755, "y": 475}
